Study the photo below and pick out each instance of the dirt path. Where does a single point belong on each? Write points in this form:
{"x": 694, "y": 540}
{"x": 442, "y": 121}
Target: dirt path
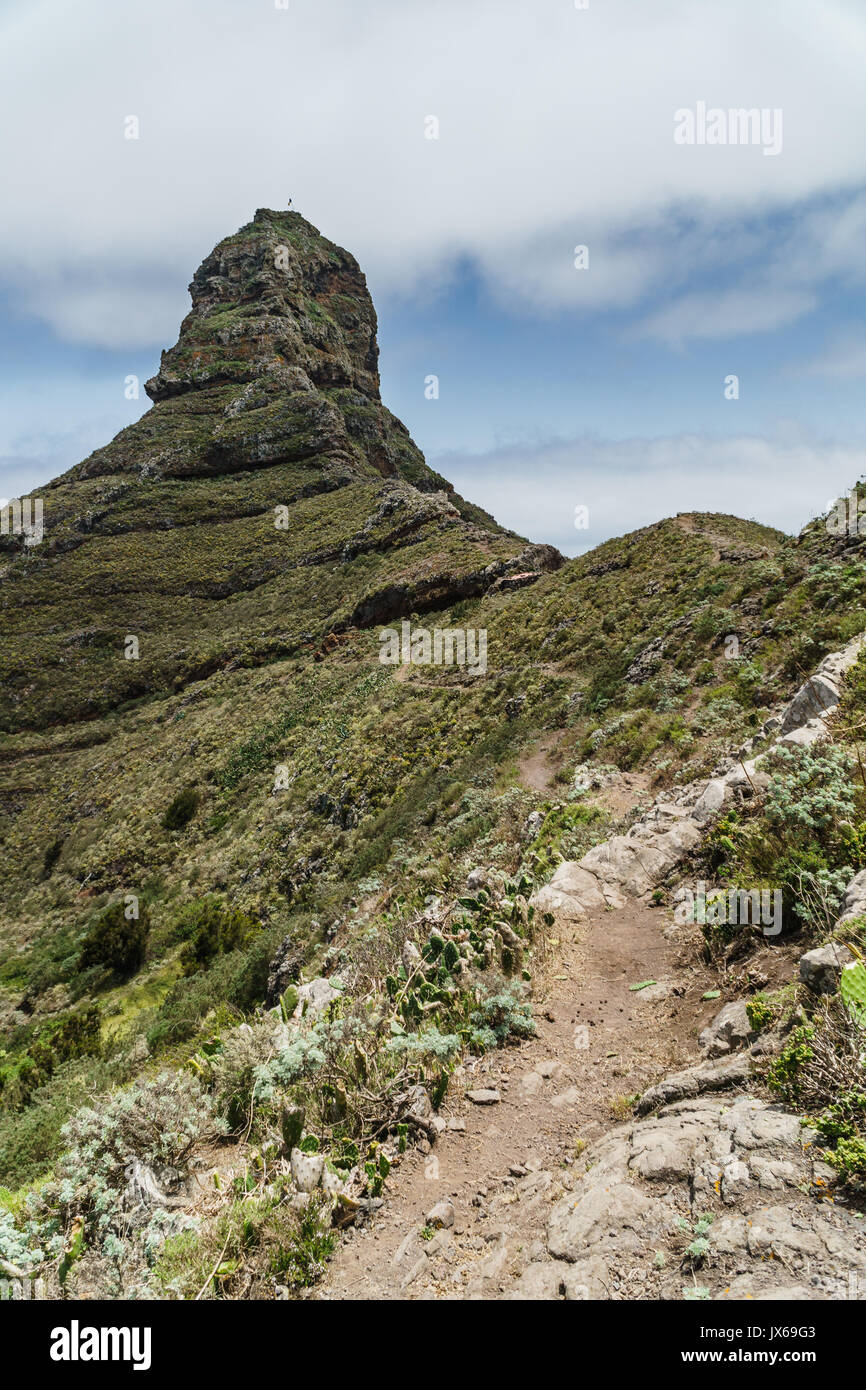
{"x": 536, "y": 770}
{"x": 501, "y": 1165}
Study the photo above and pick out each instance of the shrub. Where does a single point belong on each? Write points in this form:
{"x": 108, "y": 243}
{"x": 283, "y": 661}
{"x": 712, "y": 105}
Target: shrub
{"x": 116, "y": 942}
{"x": 181, "y": 809}
{"x": 821, "y": 1071}
{"x": 85, "y": 1207}
{"x": 156, "y": 1122}
{"x": 499, "y": 1018}
{"x": 760, "y": 1012}
{"x": 260, "y": 1241}
{"x": 30, "y": 1139}
{"x": 810, "y": 788}
{"x": 216, "y": 930}
{"x": 234, "y": 1066}
{"x": 51, "y": 856}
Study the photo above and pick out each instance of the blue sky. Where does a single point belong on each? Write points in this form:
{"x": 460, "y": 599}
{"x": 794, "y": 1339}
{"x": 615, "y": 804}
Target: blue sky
{"x": 557, "y": 386}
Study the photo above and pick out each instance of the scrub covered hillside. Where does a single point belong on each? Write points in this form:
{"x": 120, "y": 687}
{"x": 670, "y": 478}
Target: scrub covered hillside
{"x": 222, "y": 813}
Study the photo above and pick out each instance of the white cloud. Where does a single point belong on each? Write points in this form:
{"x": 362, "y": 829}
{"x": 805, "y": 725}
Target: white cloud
{"x": 629, "y": 483}
{"x": 556, "y": 129}
{"x": 726, "y": 314}
{"x": 111, "y": 315}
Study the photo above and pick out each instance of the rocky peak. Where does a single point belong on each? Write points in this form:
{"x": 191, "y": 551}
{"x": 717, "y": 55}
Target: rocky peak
{"x": 276, "y": 363}
{"x": 275, "y": 296}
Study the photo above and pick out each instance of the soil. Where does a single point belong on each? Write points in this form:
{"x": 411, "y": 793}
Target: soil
{"x": 537, "y": 768}
{"x": 599, "y": 1043}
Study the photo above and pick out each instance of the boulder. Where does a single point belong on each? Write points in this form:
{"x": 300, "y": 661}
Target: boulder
{"x": 711, "y": 800}
{"x": 441, "y": 1215}
{"x": 816, "y": 697}
{"x": 729, "y": 1030}
{"x": 571, "y": 892}
{"x": 820, "y": 969}
{"x": 315, "y": 997}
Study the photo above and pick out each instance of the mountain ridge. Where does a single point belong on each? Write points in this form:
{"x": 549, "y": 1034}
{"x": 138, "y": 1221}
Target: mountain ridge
{"x": 280, "y": 808}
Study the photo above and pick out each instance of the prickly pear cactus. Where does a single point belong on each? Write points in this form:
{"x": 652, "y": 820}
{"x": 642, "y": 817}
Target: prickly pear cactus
{"x": 853, "y": 986}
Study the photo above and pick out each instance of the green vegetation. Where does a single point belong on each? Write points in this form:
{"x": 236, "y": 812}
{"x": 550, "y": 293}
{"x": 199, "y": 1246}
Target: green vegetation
{"x": 805, "y": 837}
{"x": 117, "y": 941}
{"x": 253, "y": 776}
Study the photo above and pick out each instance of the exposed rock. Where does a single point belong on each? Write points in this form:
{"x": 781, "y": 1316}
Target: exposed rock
{"x": 819, "y": 694}
{"x": 315, "y": 997}
{"x": 729, "y": 1030}
{"x": 646, "y": 662}
{"x": 441, "y": 1215}
{"x": 518, "y": 581}
{"x": 143, "y": 1187}
{"x": 284, "y": 970}
{"x": 415, "y": 1104}
{"x": 854, "y": 901}
{"x": 476, "y": 879}
{"x": 694, "y": 1081}
{"x": 544, "y": 1280}
{"x": 821, "y": 968}
{"x": 712, "y": 799}
{"x": 635, "y": 1185}
{"x": 483, "y": 1097}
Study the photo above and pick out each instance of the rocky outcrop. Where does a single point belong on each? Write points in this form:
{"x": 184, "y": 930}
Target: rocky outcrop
{"x": 707, "y": 1076}
{"x": 276, "y": 362}
{"x": 266, "y": 462}
{"x": 804, "y": 720}
{"x": 854, "y": 901}
{"x": 631, "y": 865}
{"x": 745, "y": 1167}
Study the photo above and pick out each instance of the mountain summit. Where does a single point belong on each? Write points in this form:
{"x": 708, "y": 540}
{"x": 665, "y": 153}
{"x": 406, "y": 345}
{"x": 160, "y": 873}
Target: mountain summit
{"x": 267, "y": 500}
{"x": 277, "y": 361}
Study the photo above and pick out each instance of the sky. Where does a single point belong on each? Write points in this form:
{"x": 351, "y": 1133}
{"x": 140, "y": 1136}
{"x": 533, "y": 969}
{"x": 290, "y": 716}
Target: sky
{"x": 463, "y": 150}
